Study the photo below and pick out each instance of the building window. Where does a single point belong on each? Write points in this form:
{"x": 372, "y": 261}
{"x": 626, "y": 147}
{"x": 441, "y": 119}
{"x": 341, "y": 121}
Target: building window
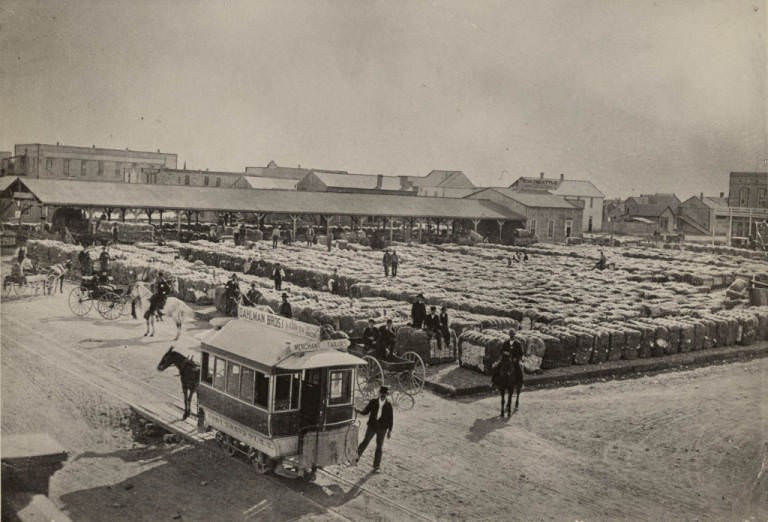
{"x": 117, "y": 170}
{"x": 532, "y": 226}
{"x": 218, "y": 182}
{"x": 219, "y": 373}
{"x": 205, "y": 181}
{"x": 591, "y": 202}
{"x": 287, "y": 392}
{"x": 761, "y": 198}
{"x": 66, "y": 167}
{"x": 82, "y": 168}
{"x": 551, "y": 229}
{"x": 589, "y": 225}
{"x": 744, "y": 197}
{"x": 186, "y": 179}
{"x": 568, "y": 227}
{"x": 101, "y": 168}
{"x": 48, "y": 163}
{"x": 341, "y": 387}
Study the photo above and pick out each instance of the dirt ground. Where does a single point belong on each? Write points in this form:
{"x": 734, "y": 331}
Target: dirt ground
{"x": 688, "y": 445}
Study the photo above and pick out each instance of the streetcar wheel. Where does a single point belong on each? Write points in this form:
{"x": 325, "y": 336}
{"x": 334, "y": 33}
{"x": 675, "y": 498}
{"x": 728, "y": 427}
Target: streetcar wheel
{"x": 109, "y": 306}
{"x": 369, "y": 377}
{"x": 417, "y": 375}
{"x": 229, "y": 446}
{"x": 260, "y": 461}
{"x": 79, "y": 301}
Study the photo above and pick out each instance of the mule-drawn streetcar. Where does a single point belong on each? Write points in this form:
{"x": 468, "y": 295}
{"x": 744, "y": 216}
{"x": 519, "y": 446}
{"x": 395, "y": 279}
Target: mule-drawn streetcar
{"x": 277, "y": 394}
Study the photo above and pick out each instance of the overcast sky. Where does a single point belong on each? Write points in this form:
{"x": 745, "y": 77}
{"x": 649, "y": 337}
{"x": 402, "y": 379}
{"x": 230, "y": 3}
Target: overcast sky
{"x": 637, "y": 96}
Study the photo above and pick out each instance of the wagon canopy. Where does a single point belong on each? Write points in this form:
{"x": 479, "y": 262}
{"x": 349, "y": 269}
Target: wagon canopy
{"x": 269, "y": 348}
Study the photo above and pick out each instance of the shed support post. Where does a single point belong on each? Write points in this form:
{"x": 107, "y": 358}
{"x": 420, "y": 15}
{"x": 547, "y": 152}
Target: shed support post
{"x": 410, "y": 230}
{"x": 149, "y": 215}
{"x": 730, "y": 230}
{"x": 122, "y": 215}
{"x": 161, "y": 218}
{"x": 293, "y": 229}
{"x": 391, "y": 229}
{"x": 501, "y": 227}
{"x": 420, "y": 230}
{"x": 328, "y": 220}
{"x": 178, "y": 225}
{"x": 475, "y": 222}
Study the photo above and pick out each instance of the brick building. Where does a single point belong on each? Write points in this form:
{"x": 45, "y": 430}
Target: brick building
{"x": 38, "y": 160}
{"x": 334, "y": 181}
{"x": 272, "y": 170}
{"x": 551, "y": 218}
{"x": 194, "y": 178}
{"x": 572, "y": 190}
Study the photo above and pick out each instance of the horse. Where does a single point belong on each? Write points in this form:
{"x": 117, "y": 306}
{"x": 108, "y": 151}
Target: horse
{"x": 174, "y": 308}
{"x": 189, "y": 373}
{"x": 508, "y": 378}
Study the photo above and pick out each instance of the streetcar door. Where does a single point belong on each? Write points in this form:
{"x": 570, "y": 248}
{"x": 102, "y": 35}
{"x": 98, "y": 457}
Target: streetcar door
{"x": 312, "y": 397}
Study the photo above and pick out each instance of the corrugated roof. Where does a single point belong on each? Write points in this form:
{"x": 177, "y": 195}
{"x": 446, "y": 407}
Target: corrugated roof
{"x": 357, "y": 181}
{"x": 258, "y": 182}
{"x": 170, "y": 197}
{"x": 6, "y": 182}
{"x": 577, "y": 187}
{"x": 540, "y": 199}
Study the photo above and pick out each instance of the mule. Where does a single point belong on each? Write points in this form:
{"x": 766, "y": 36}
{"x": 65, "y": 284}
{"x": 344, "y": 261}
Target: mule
{"x": 189, "y": 373}
{"x": 174, "y": 308}
{"x": 508, "y": 379}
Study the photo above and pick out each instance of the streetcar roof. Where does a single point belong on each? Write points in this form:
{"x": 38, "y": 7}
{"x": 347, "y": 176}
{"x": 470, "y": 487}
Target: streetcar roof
{"x": 269, "y": 347}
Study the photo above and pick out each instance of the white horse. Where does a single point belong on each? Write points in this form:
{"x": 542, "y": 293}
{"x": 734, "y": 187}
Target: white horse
{"x": 174, "y": 308}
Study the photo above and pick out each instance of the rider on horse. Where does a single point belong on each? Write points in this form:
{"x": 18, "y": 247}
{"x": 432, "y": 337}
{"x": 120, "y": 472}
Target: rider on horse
{"x": 157, "y": 301}
{"x": 508, "y": 372}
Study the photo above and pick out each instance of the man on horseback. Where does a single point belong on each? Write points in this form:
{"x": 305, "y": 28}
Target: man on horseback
{"x": 157, "y": 301}
{"x": 508, "y": 372}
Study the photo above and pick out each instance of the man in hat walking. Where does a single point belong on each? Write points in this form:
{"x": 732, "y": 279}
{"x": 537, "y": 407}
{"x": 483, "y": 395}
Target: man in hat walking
{"x": 380, "y": 422}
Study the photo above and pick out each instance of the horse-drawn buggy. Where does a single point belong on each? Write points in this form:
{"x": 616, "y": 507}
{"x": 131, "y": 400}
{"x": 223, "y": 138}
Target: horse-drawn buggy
{"x": 278, "y": 395}
{"x": 404, "y": 373}
{"x": 110, "y": 299}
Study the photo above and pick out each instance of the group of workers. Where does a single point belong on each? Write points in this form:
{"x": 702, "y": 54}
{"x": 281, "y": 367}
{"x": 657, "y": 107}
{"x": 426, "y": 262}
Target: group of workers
{"x": 390, "y": 261}
{"x": 436, "y": 325}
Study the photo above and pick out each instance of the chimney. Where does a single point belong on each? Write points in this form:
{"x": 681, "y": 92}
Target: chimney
{"x": 562, "y": 176}
{"x": 541, "y": 175}
{"x": 701, "y": 196}
{"x": 404, "y": 183}
{"x": 379, "y": 180}
{"x": 722, "y": 194}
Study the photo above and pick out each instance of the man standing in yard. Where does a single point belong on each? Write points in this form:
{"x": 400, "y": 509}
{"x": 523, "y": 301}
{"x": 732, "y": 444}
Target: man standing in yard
{"x": 310, "y": 235}
{"x": 387, "y": 261}
{"x": 418, "y": 311}
{"x": 329, "y": 240}
{"x": 395, "y": 261}
{"x": 275, "y": 236}
{"x": 380, "y": 422}
{"x": 285, "y": 307}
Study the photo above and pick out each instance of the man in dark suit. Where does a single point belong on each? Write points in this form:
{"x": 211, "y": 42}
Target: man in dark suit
{"x": 418, "y": 311}
{"x": 370, "y": 335}
{"x": 380, "y": 421}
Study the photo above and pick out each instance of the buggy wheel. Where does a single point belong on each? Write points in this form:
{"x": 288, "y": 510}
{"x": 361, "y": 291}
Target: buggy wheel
{"x": 109, "y": 306}
{"x": 9, "y": 287}
{"x": 126, "y": 302}
{"x": 229, "y": 446}
{"x": 414, "y": 383}
{"x": 79, "y": 301}
{"x": 369, "y": 377}
{"x": 402, "y": 400}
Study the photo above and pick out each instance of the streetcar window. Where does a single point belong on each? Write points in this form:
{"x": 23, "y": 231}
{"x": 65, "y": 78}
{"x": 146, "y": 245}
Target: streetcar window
{"x": 287, "y": 392}
{"x": 262, "y": 390}
{"x": 219, "y": 373}
{"x": 207, "y": 372}
{"x": 341, "y": 387}
{"x": 246, "y": 385}
{"x": 233, "y": 379}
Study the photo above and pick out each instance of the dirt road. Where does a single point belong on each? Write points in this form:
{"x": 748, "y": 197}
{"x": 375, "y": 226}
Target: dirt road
{"x": 683, "y": 446}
